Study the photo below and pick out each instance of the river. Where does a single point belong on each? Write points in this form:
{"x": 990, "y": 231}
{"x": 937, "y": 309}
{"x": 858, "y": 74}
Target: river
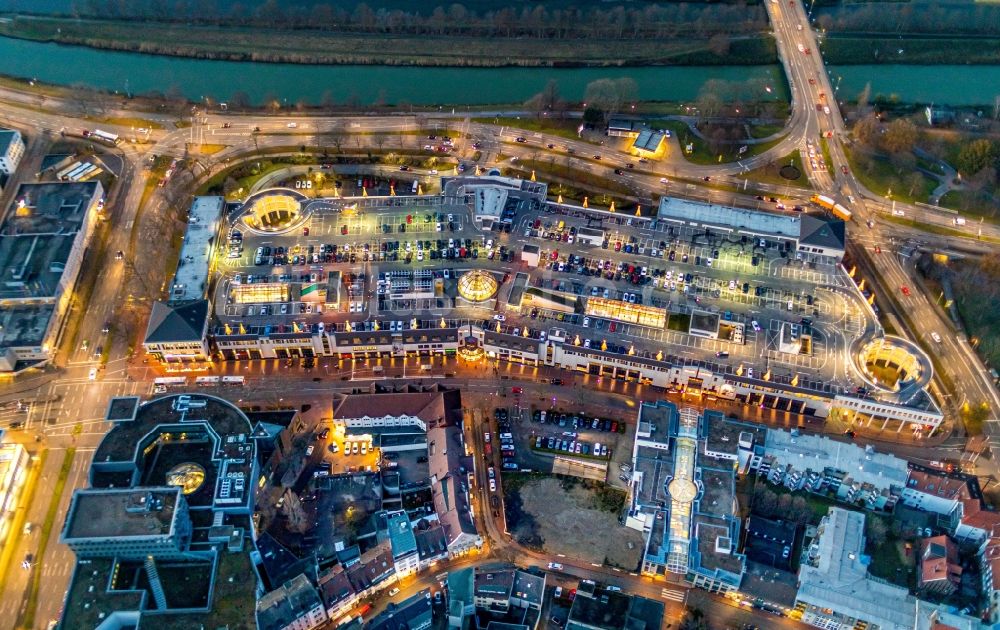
{"x": 198, "y": 78}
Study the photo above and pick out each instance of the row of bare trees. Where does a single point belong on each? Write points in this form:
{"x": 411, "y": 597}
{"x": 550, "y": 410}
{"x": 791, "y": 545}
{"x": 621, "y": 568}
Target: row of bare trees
{"x": 934, "y": 18}
{"x": 534, "y": 21}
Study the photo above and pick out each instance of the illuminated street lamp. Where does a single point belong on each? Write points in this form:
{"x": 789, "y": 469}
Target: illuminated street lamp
{"x": 559, "y": 199}
{"x": 413, "y": 323}
{"x": 585, "y": 203}
{"x": 443, "y": 323}
{"x": 576, "y": 342}
{"x": 347, "y": 326}
{"x": 659, "y": 355}
{"x": 375, "y": 325}
{"x": 498, "y": 326}
{"x": 364, "y": 191}
{"x": 638, "y": 211}
{"x": 739, "y": 370}
{"x": 795, "y": 381}
{"x": 767, "y": 375}
{"x": 533, "y": 175}
{"x": 612, "y": 208}
{"x": 631, "y": 350}
{"x": 604, "y": 345}
{"x": 525, "y": 333}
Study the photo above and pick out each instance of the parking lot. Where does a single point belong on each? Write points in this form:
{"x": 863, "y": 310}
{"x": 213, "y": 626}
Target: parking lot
{"x": 399, "y": 257}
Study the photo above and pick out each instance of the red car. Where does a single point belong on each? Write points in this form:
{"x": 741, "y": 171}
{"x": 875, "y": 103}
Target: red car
{"x": 305, "y": 231}
{"x": 843, "y": 169}
{"x": 612, "y": 327}
{"x": 516, "y": 390}
{"x": 905, "y": 290}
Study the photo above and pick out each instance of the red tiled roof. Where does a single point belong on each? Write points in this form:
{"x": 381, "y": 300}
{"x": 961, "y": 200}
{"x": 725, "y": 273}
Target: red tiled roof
{"x": 939, "y": 560}
{"x": 428, "y": 406}
{"x": 938, "y": 485}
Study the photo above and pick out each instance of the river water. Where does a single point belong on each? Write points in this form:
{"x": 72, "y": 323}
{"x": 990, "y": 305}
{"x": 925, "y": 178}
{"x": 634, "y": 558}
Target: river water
{"x": 198, "y": 78}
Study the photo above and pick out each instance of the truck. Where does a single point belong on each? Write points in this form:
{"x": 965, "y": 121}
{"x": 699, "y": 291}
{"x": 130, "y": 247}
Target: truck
{"x": 841, "y": 212}
{"x": 823, "y": 201}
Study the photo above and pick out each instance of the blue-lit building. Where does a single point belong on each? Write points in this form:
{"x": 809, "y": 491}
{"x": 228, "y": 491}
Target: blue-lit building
{"x": 683, "y": 493}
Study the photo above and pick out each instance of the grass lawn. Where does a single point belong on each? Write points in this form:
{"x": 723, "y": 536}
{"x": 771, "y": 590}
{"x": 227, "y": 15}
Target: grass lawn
{"x": 701, "y": 151}
{"x": 138, "y": 123}
{"x": 771, "y": 175}
{"x": 971, "y": 203}
{"x": 825, "y": 148}
{"x": 763, "y": 131}
{"x": 880, "y": 176}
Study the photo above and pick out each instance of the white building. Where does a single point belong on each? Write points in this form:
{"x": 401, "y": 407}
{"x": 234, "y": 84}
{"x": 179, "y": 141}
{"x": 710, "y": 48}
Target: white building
{"x": 835, "y": 590}
{"x": 11, "y": 150}
{"x": 295, "y": 605}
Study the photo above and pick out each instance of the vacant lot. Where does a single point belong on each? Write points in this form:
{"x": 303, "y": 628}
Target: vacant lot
{"x": 571, "y": 517}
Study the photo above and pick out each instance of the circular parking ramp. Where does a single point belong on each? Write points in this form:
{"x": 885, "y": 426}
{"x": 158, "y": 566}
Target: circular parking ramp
{"x": 274, "y": 211}
{"x": 893, "y": 365}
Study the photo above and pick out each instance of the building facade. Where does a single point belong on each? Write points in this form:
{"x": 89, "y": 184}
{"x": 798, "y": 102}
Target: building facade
{"x": 11, "y": 150}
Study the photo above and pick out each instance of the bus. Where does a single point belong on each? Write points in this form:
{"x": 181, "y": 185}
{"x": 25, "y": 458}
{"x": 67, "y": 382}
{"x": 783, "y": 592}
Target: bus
{"x": 61, "y": 175}
{"x": 207, "y": 381}
{"x": 74, "y": 174}
{"x": 161, "y": 384}
{"x": 110, "y": 138}
{"x": 841, "y": 212}
{"x": 824, "y": 201}
{"x": 234, "y": 380}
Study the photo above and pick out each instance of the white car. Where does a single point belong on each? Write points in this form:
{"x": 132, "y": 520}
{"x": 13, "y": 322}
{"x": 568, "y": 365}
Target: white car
{"x": 756, "y": 326}
{"x": 393, "y": 592}
{"x": 434, "y": 171}
{"x": 586, "y": 322}
{"x": 493, "y": 485}
{"x": 663, "y": 180}
{"x": 555, "y": 566}
{"x": 292, "y": 125}
{"x": 309, "y": 450}
{"x": 92, "y": 375}
{"x": 364, "y": 448}
{"x": 500, "y": 317}
{"x": 936, "y": 337}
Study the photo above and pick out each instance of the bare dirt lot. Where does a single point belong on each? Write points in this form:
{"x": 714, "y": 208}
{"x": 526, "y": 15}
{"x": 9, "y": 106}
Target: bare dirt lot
{"x": 564, "y": 515}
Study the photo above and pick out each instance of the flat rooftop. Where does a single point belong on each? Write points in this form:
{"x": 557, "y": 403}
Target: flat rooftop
{"x": 191, "y": 278}
{"x": 655, "y": 422}
{"x": 37, "y": 236}
{"x": 226, "y": 420}
{"x": 728, "y": 217}
{"x": 718, "y": 494}
{"x": 22, "y": 326}
{"x": 121, "y": 513}
{"x": 817, "y": 452}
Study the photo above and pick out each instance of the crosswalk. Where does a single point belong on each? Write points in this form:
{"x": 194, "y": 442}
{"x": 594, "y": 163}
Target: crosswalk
{"x": 677, "y": 596}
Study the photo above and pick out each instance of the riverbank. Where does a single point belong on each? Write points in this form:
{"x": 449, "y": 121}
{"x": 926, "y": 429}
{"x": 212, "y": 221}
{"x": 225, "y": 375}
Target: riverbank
{"x": 878, "y": 48}
{"x": 316, "y": 47}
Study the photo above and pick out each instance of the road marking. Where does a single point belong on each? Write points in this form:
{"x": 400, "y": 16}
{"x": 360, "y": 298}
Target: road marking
{"x": 677, "y": 596}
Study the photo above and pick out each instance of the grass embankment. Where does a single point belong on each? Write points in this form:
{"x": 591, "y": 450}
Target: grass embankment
{"x": 970, "y": 202}
{"x": 561, "y": 127}
{"x": 934, "y": 228}
{"x": 880, "y": 176}
{"x": 771, "y": 174}
{"x": 28, "y": 619}
{"x": 868, "y": 48}
{"x": 319, "y": 47}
